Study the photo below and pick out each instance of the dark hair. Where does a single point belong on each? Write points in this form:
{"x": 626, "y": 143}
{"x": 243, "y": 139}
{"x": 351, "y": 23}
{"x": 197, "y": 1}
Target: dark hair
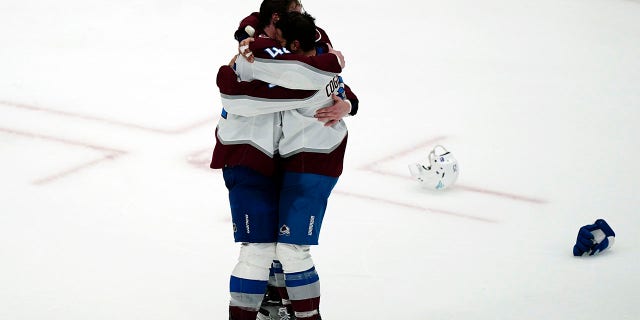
{"x": 298, "y": 26}
{"x": 269, "y": 7}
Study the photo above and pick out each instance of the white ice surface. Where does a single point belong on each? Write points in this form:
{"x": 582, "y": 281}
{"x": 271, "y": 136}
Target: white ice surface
{"x": 109, "y": 210}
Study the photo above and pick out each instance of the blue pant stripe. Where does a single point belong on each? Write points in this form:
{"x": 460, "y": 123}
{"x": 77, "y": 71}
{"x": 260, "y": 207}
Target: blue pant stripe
{"x": 247, "y": 286}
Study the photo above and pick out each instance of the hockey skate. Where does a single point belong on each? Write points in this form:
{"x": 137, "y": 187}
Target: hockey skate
{"x": 277, "y": 313}
{"x": 272, "y": 297}
{"x": 272, "y": 307}
{"x": 274, "y": 313}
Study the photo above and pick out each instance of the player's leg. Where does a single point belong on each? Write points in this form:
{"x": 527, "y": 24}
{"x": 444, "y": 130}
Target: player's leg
{"x": 302, "y": 280}
{"x": 276, "y": 304}
{"x": 273, "y": 297}
{"x": 254, "y": 202}
{"x": 302, "y": 205}
{"x": 249, "y": 280}
{"x": 303, "y": 202}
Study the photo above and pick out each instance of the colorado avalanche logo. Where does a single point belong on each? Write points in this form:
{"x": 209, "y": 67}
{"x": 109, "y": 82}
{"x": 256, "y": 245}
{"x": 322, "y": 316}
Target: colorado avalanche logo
{"x": 284, "y": 230}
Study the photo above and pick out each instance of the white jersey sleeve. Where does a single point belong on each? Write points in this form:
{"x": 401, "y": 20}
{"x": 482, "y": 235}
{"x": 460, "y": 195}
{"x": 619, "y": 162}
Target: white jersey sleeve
{"x": 248, "y": 106}
{"x": 285, "y": 73}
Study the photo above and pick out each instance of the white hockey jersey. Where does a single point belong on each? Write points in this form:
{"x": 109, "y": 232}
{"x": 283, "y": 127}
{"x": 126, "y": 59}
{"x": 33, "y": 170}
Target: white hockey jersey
{"x": 301, "y": 131}
{"x": 276, "y": 120}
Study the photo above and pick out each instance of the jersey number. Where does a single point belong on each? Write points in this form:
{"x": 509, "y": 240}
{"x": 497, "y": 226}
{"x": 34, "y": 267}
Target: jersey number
{"x": 275, "y": 51}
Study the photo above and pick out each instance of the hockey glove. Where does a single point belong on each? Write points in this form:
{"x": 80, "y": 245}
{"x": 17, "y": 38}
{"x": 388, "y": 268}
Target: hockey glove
{"x": 594, "y": 238}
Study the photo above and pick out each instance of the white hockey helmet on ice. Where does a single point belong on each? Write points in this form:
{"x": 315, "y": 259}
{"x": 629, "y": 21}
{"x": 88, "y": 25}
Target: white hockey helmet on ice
{"x": 441, "y": 172}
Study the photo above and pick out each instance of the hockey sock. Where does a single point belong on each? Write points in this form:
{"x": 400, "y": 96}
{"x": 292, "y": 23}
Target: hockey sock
{"x": 246, "y": 298}
{"x": 276, "y": 285}
{"x": 237, "y": 313}
{"x": 249, "y": 279}
{"x": 304, "y": 293}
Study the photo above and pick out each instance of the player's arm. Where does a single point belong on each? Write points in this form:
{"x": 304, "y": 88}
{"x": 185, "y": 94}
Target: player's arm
{"x": 290, "y": 73}
{"x": 247, "y": 27}
{"x": 353, "y": 100}
{"x": 322, "y": 41}
{"x": 348, "y": 102}
{"x": 251, "y": 98}
{"x": 345, "y": 103}
{"x": 275, "y": 64}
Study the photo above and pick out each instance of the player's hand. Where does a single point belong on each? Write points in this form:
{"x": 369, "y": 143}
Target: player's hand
{"x": 333, "y": 114}
{"x": 338, "y": 54}
{"x": 243, "y": 49}
{"x": 594, "y": 238}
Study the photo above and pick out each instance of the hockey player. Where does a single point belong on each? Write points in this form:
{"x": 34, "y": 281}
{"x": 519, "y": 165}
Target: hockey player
{"x": 249, "y": 24}
{"x": 249, "y": 190}
{"x": 276, "y": 293}
{"x": 270, "y": 11}
{"x": 312, "y": 154}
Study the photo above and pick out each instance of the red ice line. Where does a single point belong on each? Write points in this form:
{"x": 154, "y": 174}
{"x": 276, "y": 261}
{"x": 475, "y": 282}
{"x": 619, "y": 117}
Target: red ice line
{"x": 402, "y": 153}
{"x": 469, "y": 188}
{"x": 178, "y": 130}
{"x": 416, "y": 207}
{"x": 197, "y": 158}
{"x": 75, "y": 169}
{"x": 371, "y": 167}
{"x": 108, "y": 154}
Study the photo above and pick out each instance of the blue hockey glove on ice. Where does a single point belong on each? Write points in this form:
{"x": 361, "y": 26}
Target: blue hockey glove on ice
{"x": 594, "y": 238}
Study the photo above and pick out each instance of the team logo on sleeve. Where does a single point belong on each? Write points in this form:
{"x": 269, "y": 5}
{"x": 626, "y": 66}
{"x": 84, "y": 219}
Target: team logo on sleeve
{"x": 334, "y": 86}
